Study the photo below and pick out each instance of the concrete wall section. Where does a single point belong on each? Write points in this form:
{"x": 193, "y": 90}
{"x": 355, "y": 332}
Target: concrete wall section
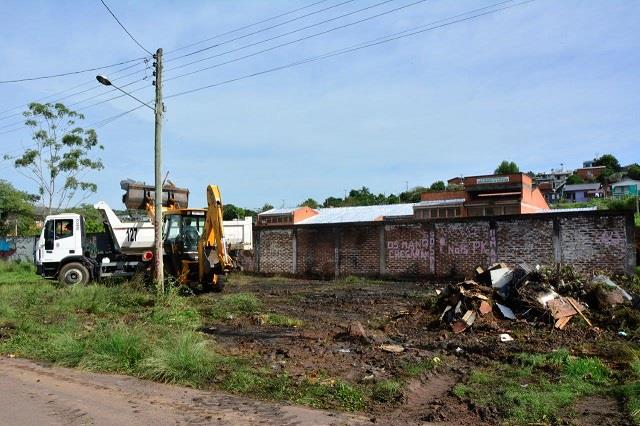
{"x": 587, "y": 241}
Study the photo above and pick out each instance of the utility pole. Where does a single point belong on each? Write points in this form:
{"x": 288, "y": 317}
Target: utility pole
{"x": 159, "y": 107}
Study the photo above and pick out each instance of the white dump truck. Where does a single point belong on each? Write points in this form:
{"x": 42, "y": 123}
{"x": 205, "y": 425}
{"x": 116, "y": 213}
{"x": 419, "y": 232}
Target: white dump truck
{"x": 62, "y": 251}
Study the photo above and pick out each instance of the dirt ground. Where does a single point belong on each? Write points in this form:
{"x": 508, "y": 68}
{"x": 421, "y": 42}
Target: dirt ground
{"x": 403, "y": 314}
{"x": 34, "y": 394}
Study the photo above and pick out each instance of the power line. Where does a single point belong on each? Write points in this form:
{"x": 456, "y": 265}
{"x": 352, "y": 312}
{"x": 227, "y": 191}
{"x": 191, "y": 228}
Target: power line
{"x": 123, "y": 27}
{"x": 386, "y": 39}
{"x": 20, "y": 125}
{"x": 71, "y": 72}
{"x": 259, "y": 31}
{"x": 289, "y": 42}
{"x": 245, "y": 27}
{"x": 94, "y": 86}
{"x": 378, "y": 41}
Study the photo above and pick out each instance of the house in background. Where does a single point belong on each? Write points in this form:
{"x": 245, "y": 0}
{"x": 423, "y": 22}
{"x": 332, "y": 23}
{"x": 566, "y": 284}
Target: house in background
{"x": 625, "y": 188}
{"x": 582, "y": 192}
{"x": 551, "y": 183}
{"x": 590, "y": 173}
{"x": 488, "y": 195}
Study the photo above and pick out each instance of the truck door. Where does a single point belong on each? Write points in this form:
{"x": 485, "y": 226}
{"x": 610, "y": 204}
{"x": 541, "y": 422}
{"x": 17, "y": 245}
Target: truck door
{"x": 60, "y": 240}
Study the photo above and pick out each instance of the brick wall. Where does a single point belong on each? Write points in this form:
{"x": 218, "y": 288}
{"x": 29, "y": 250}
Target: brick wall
{"x": 587, "y": 241}
{"x": 276, "y": 250}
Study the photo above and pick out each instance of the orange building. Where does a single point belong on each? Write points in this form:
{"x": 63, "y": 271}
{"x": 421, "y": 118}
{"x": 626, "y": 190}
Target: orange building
{"x": 487, "y": 195}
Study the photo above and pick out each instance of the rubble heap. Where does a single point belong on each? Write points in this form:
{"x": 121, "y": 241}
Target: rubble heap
{"x": 525, "y": 293}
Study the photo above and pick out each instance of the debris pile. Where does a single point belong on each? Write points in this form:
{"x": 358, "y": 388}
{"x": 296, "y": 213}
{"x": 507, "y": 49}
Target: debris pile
{"x": 525, "y": 293}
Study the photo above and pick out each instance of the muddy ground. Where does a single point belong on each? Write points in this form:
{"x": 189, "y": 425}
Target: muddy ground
{"x": 405, "y": 314}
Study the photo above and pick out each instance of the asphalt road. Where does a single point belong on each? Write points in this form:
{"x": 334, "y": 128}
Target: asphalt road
{"x": 31, "y": 394}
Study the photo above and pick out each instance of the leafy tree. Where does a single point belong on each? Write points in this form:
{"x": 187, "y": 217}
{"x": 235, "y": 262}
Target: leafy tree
{"x": 309, "y": 202}
{"x": 16, "y": 210}
{"x": 93, "y": 220}
{"x": 634, "y": 171}
{"x": 507, "y": 167}
{"x": 393, "y": 199}
{"x": 266, "y": 207}
{"x": 333, "y": 202}
{"x": 60, "y": 157}
{"x": 574, "y": 179}
{"x": 438, "y": 186}
{"x": 413, "y": 195}
{"x": 609, "y": 161}
{"x": 455, "y": 187}
{"x": 230, "y": 212}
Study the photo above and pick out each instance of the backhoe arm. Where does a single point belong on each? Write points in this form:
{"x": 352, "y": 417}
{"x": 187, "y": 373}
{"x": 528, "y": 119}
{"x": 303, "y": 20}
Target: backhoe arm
{"x": 213, "y": 235}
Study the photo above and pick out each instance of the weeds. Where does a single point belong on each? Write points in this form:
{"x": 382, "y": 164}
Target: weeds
{"x": 232, "y": 305}
{"x": 538, "y": 386}
{"x": 127, "y": 329}
{"x": 387, "y": 391}
{"x": 417, "y": 368}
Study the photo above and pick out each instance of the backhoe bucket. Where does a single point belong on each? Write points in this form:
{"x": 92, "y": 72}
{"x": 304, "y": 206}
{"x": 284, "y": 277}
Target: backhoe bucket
{"x": 137, "y": 195}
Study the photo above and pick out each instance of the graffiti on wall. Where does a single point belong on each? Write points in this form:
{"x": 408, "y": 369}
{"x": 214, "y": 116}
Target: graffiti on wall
{"x": 7, "y": 248}
{"x": 420, "y": 248}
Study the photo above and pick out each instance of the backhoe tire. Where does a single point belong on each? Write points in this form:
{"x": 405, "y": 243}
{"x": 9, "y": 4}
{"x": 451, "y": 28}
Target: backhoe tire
{"x": 219, "y": 286}
{"x": 73, "y": 273}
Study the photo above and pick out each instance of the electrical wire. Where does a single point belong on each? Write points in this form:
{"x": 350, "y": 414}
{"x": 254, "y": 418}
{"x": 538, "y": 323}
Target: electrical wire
{"x": 124, "y": 28}
{"x": 94, "y": 86}
{"x": 350, "y": 24}
{"x": 258, "y": 31}
{"x": 168, "y": 52}
{"x": 18, "y": 80}
{"x": 386, "y": 39}
{"x": 378, "y": 41}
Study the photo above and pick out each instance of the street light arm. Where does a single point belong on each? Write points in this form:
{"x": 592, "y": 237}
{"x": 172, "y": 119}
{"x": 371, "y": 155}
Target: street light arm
{"x": 130, "y": 95}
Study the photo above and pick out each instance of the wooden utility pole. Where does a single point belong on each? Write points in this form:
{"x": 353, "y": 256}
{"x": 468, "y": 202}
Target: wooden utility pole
{"x": 159, "y": 109}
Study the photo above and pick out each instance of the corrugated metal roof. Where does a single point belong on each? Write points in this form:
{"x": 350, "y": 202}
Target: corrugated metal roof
{"x": 430, "y": 203}
{"x": 582, "y": 187}
{"x": 274, "y": 212}
{"x": 569, "y": 210}
{"x": 358, "y": 214}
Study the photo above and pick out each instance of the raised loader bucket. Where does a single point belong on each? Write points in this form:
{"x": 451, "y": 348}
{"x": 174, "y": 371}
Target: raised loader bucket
{"x": 137, "y": 194}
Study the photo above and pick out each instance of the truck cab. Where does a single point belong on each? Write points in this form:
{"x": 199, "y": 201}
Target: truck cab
{"x": 60, "y": 249}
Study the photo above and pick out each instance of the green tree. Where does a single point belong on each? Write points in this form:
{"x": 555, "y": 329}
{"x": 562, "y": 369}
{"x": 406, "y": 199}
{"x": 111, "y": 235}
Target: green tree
{"x": 438, "y": 186}
{"x": 309, "y": 202}
{"x": 634, "y": 171}
{"x": 230, "y": 212}
{"x": 609, "y": 161}
{"x": 266, "y": 207}
{"x": 60, "y": 157}
{"x": 393, "y": 199}
{"x": 574, "y": 179}
{"x": 413, "y": 195}
{"x": 93, "y": 220}
{"x": 16, "y": 211}
{"x": 333, "y": 202}
{"x": 507, "y": 167}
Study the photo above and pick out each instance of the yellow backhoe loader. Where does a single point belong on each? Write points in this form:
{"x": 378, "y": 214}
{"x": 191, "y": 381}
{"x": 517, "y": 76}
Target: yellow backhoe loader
{"x": 195, "y": 251}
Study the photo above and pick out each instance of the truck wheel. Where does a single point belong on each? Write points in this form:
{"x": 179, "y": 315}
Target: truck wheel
{"x": 73, "y": 274}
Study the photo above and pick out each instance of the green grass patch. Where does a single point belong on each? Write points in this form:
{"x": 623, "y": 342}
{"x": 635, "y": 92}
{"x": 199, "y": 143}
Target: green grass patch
{"x": 233, "y": 305}
{"x": 18, "y": 273}
{"x": 127, "y": 329}
{"x": 278, "y": 320}
{"x": 537, "y": 387}
{"x": 387, "y": 391}
{"x": 417, "y": 368}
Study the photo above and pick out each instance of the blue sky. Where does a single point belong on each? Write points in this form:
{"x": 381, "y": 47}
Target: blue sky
{"x": 541, "y": 84}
